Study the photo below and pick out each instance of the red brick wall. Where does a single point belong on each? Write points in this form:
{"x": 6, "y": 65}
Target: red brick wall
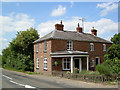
{"x": 41, "y": 55}
{"x": 59, "y": 67}
{"x": 58, "y": 45}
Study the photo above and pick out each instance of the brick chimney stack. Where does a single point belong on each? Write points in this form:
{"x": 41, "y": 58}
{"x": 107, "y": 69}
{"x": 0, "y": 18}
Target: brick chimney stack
{"x": 79, "y": 29}
{"x": 59, "y": 26}
{"x": 94, "y": 31}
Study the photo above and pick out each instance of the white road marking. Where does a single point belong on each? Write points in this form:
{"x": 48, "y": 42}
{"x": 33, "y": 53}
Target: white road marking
{"x": 26, "y": 86}
{"x": 17, "y": 83}
{"x": 7, "y": 77}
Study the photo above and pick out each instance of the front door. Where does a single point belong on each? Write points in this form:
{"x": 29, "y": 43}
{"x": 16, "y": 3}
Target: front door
{"x": 76, "y": 63}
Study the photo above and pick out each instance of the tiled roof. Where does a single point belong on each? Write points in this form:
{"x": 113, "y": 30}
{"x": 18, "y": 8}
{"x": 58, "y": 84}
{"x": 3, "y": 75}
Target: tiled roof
{"x": 69, "y": 53}
{"x": 71, "y": 35}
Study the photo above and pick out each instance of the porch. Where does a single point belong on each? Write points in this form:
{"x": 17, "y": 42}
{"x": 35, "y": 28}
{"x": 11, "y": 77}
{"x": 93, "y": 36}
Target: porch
{"x": 68, "y": 60}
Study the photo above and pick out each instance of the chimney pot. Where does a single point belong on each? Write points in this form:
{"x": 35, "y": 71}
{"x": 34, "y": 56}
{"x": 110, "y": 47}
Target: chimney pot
{"x": 94, "y": 31}
{"x": 79, "y": 29}
{"x": 59, "y": 26}
{"x": 61, "y": 22}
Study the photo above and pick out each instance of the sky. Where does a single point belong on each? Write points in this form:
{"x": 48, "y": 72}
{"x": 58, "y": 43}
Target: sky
{"x": 19, "y": 16}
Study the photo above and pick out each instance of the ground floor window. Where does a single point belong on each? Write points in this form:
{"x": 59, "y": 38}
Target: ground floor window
{"x": 66, "y": 63}
{"x": 45, "y": 63}
{"x": 37, "y": 62}
{"x": 92, "y": 62}
{"x": 97, "y": 61}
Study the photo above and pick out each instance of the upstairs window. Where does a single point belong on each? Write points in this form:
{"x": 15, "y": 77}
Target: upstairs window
{"x": 36, "y": 46}
{"x": 37, "y": 63}
{"x": 69, "y": 45}
{"x": 45, "y": 63}
{"x": 45, "y": 46}
{"x": 104, "y": 47}
{"x": 92, "y": 62}
{"x": 91, "y": 47}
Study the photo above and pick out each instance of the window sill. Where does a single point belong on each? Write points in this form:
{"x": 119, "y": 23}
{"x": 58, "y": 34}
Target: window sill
{"x": 45, "y": 69}
{"x": 69, "y": 49}
{"x": 66, "y": 69}
{"x": 45, "y": 51}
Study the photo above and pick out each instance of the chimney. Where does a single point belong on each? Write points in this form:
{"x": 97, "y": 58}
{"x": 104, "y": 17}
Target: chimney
{"x": 79, "y": 29}
{"x": 59, "y": 26}
{"x": 94, "y": 31}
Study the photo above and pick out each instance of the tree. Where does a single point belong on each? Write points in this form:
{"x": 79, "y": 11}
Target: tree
{"x": 116, "y": 39}
{"x": 20, "y": 52}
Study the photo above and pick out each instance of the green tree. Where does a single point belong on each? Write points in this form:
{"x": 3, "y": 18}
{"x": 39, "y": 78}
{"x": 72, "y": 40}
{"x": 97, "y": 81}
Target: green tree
{"x": 116, "y": 39}
{"x": 20, "y": 53}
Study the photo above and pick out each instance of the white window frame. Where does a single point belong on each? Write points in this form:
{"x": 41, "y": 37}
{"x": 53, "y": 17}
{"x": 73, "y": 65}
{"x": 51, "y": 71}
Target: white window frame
{"x": 37, "y": 63}
{"x": 37, "y": 47}
{"x": 63, "y": 61}
{"x": 45, "y": 45}
{"x": 104, "y": 47}
{"x": 45, "y": 64}
{"x": 92, "y": 62}
{"x": 69, "y": 45}
{"x": 91, "y": 46}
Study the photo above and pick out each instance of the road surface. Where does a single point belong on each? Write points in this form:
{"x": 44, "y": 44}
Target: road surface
{"x": 12, "y": 79}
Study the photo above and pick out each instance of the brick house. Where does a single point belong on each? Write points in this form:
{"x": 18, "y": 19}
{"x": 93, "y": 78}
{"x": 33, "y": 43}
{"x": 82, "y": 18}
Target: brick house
{"x": 69, "y": 49}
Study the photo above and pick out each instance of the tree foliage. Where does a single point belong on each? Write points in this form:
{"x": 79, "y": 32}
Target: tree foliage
{"x": 20, "y": 52}
{"x": 116, "y": 39}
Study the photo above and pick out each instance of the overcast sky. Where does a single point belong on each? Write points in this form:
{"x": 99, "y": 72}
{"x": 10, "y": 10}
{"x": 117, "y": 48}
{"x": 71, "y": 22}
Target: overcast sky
{"x": 19, "y": 16}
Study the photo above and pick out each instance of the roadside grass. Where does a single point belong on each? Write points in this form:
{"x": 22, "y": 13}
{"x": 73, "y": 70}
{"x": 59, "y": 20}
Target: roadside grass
{"x": 26, "y": 72}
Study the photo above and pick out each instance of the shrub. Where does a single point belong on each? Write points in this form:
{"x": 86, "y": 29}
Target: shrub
{"x": 76, "y": 70}
{"x": 94, "y": 73}
{"x": 104, "y": 69}
{"x": 84, "y": 72}
{"x": 68, "y": 72}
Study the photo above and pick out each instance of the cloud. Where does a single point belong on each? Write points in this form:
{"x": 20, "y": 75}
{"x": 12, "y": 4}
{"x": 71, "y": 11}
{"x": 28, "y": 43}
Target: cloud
{"x": 11, "y": 23}
{"x": 16, "y": 22}
{"x": 106, "y": 27}
{"x": 3, "y": 44}
{"x": 107, "y": 7}
{"x": 59, "y": 11}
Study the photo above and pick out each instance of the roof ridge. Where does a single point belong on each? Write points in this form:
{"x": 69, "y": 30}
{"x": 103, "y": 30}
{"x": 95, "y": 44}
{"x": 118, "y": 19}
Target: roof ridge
{"x": 72, "y": 35}
{"x": 53, "y": 33}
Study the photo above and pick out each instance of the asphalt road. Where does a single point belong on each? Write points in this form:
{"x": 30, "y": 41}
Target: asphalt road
{"x": 18, "y": 80}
